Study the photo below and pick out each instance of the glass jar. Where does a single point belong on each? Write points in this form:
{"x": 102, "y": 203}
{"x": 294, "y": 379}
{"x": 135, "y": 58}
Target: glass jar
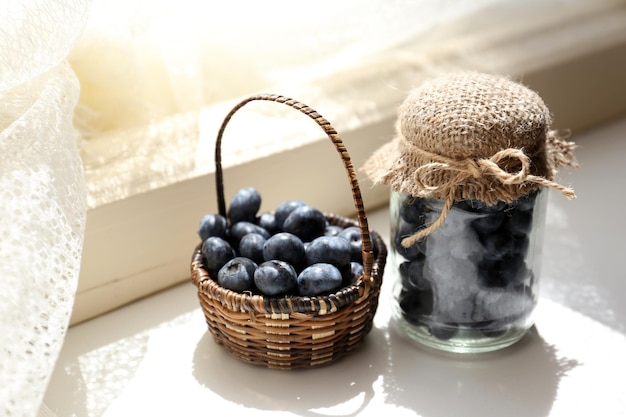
{"x": 471, "y": 285}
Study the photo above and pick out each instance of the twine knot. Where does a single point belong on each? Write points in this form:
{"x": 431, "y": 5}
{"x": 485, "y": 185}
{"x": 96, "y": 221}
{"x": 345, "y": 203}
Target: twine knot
{"x": 474, "y": 168}
{"x": 464, "y": 169}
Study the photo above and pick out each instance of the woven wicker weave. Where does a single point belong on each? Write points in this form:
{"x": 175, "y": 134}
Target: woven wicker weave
{"x": 294, "y": 332}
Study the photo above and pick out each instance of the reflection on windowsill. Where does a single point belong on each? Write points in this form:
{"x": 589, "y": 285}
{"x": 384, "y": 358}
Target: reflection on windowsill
{"x": 173, "y": 365}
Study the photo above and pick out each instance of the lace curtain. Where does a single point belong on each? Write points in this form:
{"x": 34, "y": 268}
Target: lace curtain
{"x": 42, "y": 193}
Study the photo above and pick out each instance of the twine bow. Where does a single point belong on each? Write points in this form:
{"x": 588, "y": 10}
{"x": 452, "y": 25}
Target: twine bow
{"x": 465, "y": 169}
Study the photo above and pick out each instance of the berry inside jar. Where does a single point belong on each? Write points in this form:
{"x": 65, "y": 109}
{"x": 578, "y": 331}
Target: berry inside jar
{"x": 470, "y": 285}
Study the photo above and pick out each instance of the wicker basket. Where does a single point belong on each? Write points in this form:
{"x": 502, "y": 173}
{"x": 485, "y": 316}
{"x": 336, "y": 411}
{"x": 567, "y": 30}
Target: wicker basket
{"x": 293, "y": 331}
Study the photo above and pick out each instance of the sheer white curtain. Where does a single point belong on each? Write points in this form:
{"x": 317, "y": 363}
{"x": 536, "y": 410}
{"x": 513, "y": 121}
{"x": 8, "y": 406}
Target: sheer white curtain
{"x": 42, "y": 194}
{"x": 152, "y": 71}
{"x": 148, "y": 68}
{"x": 139, "y": 60}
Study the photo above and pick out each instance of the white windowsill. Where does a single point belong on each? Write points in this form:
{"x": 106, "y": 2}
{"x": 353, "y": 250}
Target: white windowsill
{"x": 139, "y": 242}
{"x": 155, "y": 356}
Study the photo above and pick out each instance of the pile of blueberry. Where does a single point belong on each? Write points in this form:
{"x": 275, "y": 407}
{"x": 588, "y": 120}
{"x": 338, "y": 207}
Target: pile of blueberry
{"x": 292, "y": 251}
{"x": 472, "y": 272}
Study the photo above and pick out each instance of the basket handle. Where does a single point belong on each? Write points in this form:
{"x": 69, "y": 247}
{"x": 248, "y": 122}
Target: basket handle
{"x": 367, "y": 252}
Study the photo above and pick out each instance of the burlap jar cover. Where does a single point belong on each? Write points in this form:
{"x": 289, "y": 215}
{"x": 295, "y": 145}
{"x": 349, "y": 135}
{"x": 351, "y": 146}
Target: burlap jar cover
{"x": 471, "y": 135}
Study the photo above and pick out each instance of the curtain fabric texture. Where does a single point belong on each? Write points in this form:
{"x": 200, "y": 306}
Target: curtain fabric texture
{"x": 42, "y": 194}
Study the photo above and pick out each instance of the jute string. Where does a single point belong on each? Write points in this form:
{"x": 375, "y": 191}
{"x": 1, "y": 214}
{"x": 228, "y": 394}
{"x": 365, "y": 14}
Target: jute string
{"x": 463, "y": 169}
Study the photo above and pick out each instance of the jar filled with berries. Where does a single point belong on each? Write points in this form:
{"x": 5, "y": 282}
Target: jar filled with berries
{"x": 469, "y": 170}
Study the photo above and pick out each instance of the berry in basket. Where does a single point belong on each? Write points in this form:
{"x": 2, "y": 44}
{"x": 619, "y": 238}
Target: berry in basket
{"x": 293, "y": 251}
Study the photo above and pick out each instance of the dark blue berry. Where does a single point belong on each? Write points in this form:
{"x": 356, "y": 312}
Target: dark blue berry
{"x": 464, "y": 205}
{"x": 489, "y": 275}
{"x": 416, "y": 306}
{"x": 497, "y": 246}
{"x": 239, "y": 230}
{"x": 416, "y": 298}
{"x": 519, "y": 222}
{"x": 286, "y": 247}
{"x": 267, "y": 221}
{"x": 412, "y": 275}
{"x": 520, "y": 246}
{"x": 346, "y": 274}
{"x": 244, "y": 206}
{"x": 413, "y": 211}
{"x": 414, "y": 251}
{"x": 333, "y": 250}
{"x": 488, "y": 223}
{"x": 319, "y": 279}
{"x": 212, "y": 225}
{"x": 356, "y": 271}
{"x": 333, "y": 230}
{"x": 527, "y": 203}
{"x": 495, "y": 329}
{"x": 284, "y": 210}
{"x": 216, "y": 253}
{"x": 237, "y": 274}
{"x": 275, "y": 278}
{"x": 443, "y": 331}
{"x": 251, "y": 246}
{"x": 305, "y": 222}
{"x": 503, "y": 273}
{"x": 353, "y": 235}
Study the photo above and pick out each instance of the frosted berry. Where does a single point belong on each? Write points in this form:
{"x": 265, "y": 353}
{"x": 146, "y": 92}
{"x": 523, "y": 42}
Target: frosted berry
{"x": 319, "y": 279}
{"x": 412, "y": 275}
{"x": 216, "y": 253}
{"x": 416, "y": 306}
{"x": 443, "y": 331}
{"x": 332, "y": 230}
{"x": 267, "y": 221}
{"x": 239, "y": 230}
{"x": 413, "y": 211}
{"x": 285, "y": 247}
{"x": 244, "y": 206}
{"x": 237, "y": 274}
{"x": 414, "y": 251}
{"x": 356, "y": 271}
{"x": 488, "y": 223}
{"x": 527, "y": 203}
{"x": 504, "y": 273}
{"x": 212, "y": 225}
{"x": 416, "y": 297}
{"x": 329, "y": 249}
{"x": 520, "y": 222}
{"x": 305, "y": 222}
{"x": 353, "y": 235}
{"x": 284, "y": 210}
{"x": 275, "y": 278}
{"x": 497, "y": 246}
{"x": 251, "y": 246}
